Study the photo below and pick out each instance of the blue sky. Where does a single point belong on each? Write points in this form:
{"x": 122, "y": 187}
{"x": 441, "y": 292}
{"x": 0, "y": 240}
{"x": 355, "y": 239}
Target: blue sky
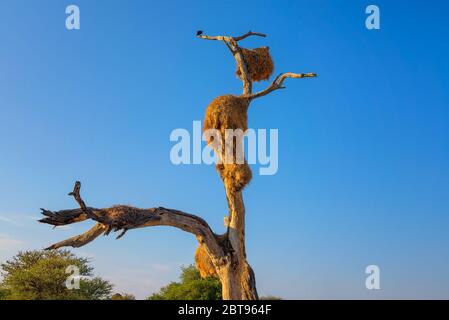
{"x": 363, "y": 149}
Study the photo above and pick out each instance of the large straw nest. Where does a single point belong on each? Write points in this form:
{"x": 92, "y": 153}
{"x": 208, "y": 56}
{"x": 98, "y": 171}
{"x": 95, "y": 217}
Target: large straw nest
{"x": 259, "y": 63}
{"x": 229, "y": 112}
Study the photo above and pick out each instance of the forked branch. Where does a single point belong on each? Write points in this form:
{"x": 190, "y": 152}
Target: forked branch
{"x": 231, "y": 43}
{"x": 124, "y": 218}
{"x": 228, "y": 38}
{"x": 278, "y": 83}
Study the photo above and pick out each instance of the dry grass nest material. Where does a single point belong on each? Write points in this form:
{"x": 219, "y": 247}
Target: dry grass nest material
{"x": 203, "y": 263}
{"x": 259, "y": 63}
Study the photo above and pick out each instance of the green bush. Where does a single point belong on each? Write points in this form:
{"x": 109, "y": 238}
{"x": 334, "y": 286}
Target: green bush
{"x": 41, "y": 275}
{"x": 191, "y": 287}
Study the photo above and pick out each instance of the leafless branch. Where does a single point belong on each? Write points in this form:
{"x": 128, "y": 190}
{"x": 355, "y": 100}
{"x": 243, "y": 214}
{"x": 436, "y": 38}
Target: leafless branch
{"x": 124, "y": 218}
{"x": 63, "y": 217}
{"x": 82, "y": 239}
{"x": 76, "y": 194}
{"x": 278, "y": 83}
{"x": 248, "y": 34}
{"x": 227, "y": 38}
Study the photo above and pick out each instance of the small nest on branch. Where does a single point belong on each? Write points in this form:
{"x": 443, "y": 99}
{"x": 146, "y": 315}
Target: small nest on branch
{"x": 235, "y": 176}
{"x": 203, "y": 263}
{"x": 259, "y": 63}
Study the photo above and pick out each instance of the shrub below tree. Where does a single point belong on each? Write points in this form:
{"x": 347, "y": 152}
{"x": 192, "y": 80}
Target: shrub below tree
{"x": 41, "y": 275}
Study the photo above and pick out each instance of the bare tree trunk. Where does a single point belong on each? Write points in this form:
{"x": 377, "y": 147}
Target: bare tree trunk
{"x": 237, "y": 277}
{"x": 230, "y": 282}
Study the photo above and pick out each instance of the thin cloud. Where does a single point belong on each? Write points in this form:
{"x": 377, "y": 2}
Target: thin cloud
{"x": 22, "y": 220}
{"x": 161, "y": 267}
{"x": 8, "y": 220}
{"x": 8, "y": 243}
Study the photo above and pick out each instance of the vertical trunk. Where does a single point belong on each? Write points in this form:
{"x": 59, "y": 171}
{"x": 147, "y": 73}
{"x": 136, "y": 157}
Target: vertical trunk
{"x": 238, "y": 282}
{"x": 237, "y": 277}
{"x": 248, "y": 282}
{"x": 230, "y": 282}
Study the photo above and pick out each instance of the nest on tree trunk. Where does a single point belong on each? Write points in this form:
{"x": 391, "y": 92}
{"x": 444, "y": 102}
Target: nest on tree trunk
{"x": 235, "y": 176}
{"x": 203, "y": 263}
{"x": 259, "y": 63}
{"x": 229, "y": 112}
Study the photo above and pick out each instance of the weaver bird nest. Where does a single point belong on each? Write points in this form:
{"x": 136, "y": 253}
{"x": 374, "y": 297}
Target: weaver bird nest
{"x": 259, "y": 62}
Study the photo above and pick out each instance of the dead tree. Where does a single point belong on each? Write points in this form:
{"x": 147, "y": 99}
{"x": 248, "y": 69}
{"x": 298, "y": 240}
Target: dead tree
{"x": 227, "y": 251}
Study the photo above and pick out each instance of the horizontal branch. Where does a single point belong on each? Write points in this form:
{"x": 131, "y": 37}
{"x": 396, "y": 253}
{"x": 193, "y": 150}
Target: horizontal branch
{"x": 279, "y": 81}
{"x": 249, "y": 34}
{"x": 63, "y": 217}
{"x": 228, "y": 38}
{"x": 124, "y": 218}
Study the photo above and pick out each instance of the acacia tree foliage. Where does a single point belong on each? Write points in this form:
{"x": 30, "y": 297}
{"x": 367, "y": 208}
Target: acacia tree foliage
{"x": 41, "y": 275}
{"x": 3, "y": 293}
{"x": 123, "y": 296}
{"x": 190, "y": 287}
